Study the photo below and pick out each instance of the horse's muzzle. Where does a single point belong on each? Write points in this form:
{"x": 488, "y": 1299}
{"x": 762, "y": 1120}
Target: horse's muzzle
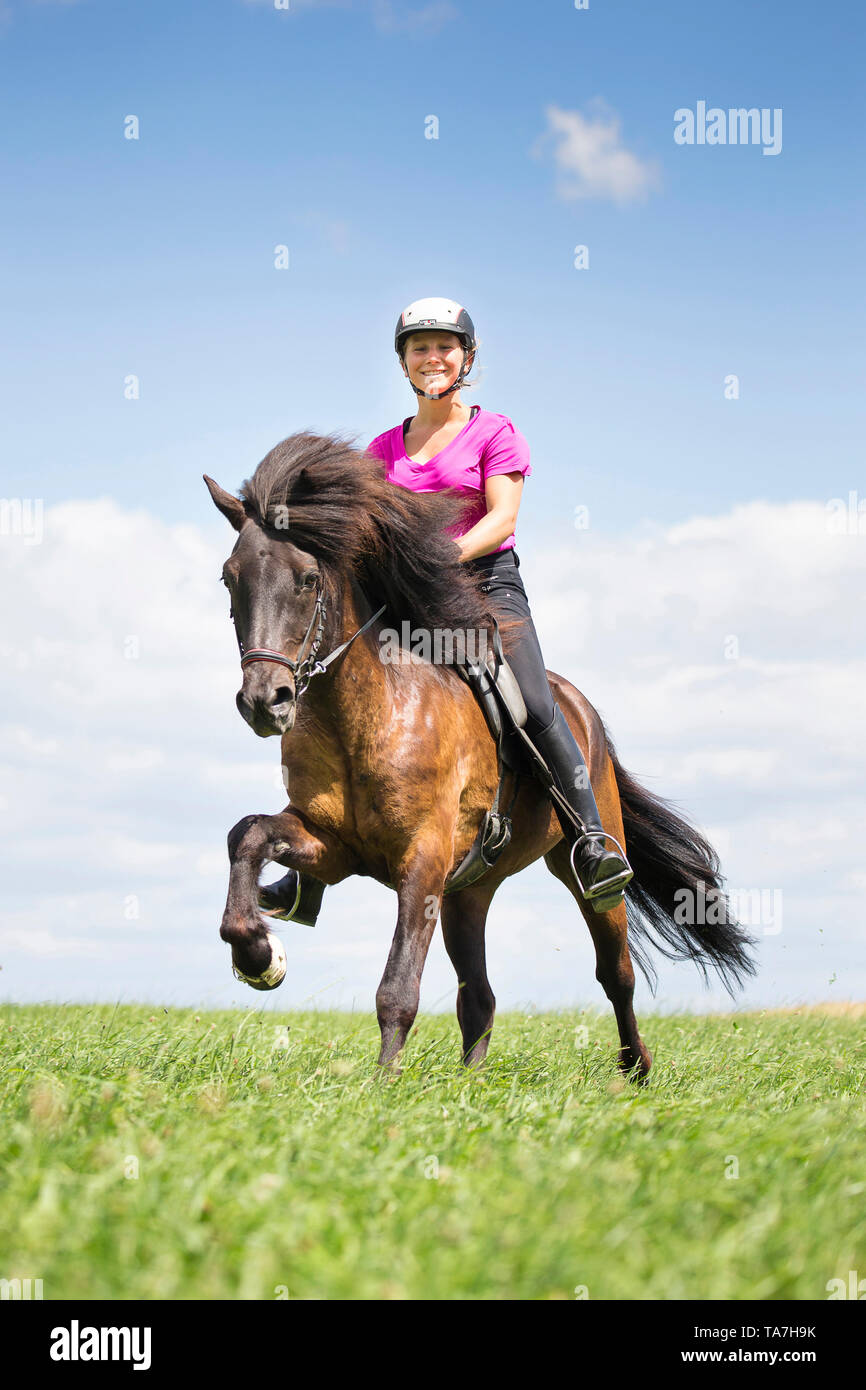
{"x": 267, "y": 707}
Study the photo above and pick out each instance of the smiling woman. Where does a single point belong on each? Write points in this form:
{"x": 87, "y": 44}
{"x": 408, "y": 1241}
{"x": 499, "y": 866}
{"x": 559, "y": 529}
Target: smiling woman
{"x": 482, "y": 457}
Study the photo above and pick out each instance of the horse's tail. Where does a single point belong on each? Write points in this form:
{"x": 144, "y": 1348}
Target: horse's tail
{"x": 675, "y": 900}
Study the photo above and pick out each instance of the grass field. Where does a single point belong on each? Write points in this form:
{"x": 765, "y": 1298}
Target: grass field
{"x": 238, "y": 1155}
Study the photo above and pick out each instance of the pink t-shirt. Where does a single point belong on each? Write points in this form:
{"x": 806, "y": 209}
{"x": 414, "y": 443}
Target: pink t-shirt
{"x": 486, "y": 445}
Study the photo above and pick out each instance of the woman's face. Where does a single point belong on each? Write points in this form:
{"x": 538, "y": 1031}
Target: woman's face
{"x": 433, "y": 360}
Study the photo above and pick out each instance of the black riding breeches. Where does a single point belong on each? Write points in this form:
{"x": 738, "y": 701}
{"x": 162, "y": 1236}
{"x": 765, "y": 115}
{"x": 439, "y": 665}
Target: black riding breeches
{"x": 498, "y": 577}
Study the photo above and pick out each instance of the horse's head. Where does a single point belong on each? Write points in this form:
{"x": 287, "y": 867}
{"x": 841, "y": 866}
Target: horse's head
{"x": 277, "y": 606}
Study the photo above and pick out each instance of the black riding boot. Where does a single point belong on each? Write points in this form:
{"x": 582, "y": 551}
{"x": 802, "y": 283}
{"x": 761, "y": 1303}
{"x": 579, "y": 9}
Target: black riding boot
{"x": 600, "y": 874}
{"x": 296, "y": 897}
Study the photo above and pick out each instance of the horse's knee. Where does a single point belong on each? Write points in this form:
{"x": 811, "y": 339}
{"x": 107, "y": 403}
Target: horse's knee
{"x": 243, "y": 834}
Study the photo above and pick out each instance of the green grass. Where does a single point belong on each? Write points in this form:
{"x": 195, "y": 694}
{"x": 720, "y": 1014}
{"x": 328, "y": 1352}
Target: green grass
{"x": 232, "y": 1155}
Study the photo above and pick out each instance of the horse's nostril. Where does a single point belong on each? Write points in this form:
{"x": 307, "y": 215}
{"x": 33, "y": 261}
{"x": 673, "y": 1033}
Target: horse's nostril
{"x": 282, "y": 696}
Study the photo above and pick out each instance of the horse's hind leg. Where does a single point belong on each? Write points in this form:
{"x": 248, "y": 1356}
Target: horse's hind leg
{"x": 464, "y": 916}
{"x": 614, "y": 970}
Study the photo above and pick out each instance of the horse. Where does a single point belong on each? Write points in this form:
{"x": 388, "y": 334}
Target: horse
{"x": 390, "y": 764}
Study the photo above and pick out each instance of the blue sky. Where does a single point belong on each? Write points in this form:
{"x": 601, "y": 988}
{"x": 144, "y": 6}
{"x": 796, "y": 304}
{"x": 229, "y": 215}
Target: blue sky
{"x": 155, "y": 257}
{"x": 306, "y": 128}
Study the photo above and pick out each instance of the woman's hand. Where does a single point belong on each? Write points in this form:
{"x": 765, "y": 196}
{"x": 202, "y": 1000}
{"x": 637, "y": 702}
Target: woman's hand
{"x": 502, "y": 494}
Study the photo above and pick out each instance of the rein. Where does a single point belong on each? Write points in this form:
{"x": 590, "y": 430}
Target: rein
{"x": 305, "y": 666}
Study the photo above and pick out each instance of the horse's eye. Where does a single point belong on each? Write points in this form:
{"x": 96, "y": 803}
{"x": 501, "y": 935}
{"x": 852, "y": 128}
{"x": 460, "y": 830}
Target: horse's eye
{"x": 309, "y": 580}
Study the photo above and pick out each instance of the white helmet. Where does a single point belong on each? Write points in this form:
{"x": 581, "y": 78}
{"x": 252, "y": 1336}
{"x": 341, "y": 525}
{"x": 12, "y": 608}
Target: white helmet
{"x": 442, "y": 314}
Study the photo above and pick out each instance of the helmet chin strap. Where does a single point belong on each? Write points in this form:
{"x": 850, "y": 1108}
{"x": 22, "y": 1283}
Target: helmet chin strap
{"x": 440, "y": 395}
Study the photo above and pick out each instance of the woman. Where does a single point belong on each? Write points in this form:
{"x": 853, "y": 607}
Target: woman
{"x": 449, "y": 445}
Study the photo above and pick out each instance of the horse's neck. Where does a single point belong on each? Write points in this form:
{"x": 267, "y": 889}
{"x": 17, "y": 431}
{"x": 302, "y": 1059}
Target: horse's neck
{"x": 354, "y": 693}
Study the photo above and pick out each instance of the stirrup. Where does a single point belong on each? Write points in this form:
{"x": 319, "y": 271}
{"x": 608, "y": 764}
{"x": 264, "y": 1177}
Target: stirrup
{"x": 284, "y": 914}
{"x": 307, "y": 903}
{"x": 608, "y": 887}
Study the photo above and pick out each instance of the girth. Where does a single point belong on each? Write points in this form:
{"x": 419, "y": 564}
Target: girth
{"x": 496, "y": 689}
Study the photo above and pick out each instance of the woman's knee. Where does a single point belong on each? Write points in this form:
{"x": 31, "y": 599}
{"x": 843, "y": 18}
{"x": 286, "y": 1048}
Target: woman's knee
{"x": 529, "y": 672}
{"x": 539, "y": 713}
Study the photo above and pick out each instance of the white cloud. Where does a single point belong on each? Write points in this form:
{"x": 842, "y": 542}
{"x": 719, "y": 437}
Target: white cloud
{"x": 592, "y": 161}
{"x": 120, "y": 775}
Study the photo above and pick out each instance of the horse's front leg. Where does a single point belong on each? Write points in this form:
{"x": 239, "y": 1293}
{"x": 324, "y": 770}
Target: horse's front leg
{"x": 256, "y": 952}
{"x": 419, "y": 885}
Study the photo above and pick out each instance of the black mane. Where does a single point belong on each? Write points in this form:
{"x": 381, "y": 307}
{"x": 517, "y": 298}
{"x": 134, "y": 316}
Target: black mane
{"x": 334, "y": 501}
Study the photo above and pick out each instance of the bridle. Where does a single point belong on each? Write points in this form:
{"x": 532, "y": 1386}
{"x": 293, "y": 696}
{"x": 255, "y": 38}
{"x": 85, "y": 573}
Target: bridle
{"x": 305, "y": 664}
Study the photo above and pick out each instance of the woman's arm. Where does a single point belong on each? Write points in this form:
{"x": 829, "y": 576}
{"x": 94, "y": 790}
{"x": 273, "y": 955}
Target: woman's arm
{"x": 502, "y": 492}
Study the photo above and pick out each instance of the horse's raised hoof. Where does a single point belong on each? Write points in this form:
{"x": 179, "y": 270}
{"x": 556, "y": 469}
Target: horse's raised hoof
{"x": 275, "y": 972}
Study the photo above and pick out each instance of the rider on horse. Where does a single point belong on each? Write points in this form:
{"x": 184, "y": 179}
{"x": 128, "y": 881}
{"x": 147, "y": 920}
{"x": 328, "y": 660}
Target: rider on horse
{"x": 482, "y": 455}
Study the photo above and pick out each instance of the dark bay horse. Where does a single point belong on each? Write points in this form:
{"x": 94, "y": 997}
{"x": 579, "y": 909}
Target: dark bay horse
{"x": 389, "y": 763}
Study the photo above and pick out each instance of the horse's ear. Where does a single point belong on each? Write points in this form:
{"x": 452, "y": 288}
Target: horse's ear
{"x": 232, "y": 508}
